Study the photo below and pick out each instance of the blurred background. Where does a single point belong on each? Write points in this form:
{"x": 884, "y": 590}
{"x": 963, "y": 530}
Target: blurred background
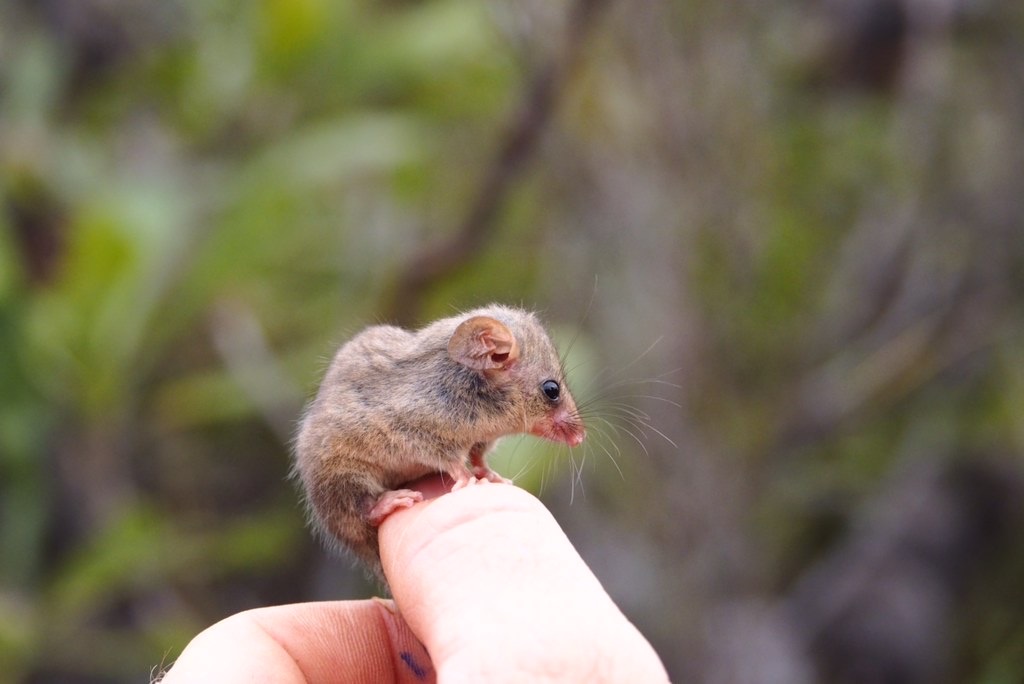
{"x": 785, "y": 237}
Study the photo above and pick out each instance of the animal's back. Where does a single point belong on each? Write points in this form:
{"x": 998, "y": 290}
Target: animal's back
{"x": 374, "y": 407}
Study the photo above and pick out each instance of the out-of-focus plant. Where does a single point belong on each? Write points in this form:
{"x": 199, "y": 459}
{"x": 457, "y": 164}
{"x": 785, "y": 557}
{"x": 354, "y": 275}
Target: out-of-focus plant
{"x": 798, "y": 229}
{"x": 177, "y": 180}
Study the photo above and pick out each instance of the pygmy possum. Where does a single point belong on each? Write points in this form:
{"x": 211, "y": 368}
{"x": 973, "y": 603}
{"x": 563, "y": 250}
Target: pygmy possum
{"x": 396, "y": 405}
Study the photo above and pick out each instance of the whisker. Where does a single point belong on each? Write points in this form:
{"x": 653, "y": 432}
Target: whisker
{"x": 607, "y": 394}
{"x": 619, "y": 429}
{"x": 661, "y": 434}
{"x": 612, "y": 459}
{"x": 655, "y": 380}
{"x": 621, "y": 370}
{"x": 525, "y": 468}
{"x": 623, "y": 412}
{"x": 579, "y": 473}
{"x": 621, "y": 405}
{"x": 572, "y": 479}
{"x": 651, "y": 397}
{"x": 611, "y": 400}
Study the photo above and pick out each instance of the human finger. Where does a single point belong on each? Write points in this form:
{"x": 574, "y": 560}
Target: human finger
{"x": 306, "y": 643}
{"x": 494, "y": 589}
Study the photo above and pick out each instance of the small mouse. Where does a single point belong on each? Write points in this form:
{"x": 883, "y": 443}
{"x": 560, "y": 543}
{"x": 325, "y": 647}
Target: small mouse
{"x": 396, "y": 405}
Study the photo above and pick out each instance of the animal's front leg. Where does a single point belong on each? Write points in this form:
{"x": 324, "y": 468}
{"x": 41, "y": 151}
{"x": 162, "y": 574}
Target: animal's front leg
{"x": 478, "y": 464}
{"x": 460, "y": 474}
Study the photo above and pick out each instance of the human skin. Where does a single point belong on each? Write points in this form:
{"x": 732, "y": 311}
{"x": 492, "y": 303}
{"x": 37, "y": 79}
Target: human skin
{"x": 488, "y": 587}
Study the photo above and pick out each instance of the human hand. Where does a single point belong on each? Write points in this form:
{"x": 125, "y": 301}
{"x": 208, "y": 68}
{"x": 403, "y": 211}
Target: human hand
{"x": 489, "y": 589}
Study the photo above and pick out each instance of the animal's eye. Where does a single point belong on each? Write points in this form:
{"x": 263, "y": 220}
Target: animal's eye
{"x": 551, "y": 390}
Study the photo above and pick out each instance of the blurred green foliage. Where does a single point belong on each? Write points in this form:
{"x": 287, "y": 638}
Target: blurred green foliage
{"x": 170, "y": 170}
{"x": 818, "y": 270}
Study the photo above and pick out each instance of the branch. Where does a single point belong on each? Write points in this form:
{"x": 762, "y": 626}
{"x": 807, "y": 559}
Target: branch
{"x": 437, "y": 261}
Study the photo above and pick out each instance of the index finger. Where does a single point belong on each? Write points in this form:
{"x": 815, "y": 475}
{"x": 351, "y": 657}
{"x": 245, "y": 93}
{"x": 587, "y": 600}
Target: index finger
{"x": 493, "y": 588}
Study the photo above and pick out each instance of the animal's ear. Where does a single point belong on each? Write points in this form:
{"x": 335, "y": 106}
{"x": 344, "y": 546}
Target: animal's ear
{"x": 483, "y": 344}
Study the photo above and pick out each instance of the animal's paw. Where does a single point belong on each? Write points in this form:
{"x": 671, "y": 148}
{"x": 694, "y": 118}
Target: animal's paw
{"x": 487, "y": 475}
{"x": 483, "y": 475}
{"x": 391, "y": 501}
